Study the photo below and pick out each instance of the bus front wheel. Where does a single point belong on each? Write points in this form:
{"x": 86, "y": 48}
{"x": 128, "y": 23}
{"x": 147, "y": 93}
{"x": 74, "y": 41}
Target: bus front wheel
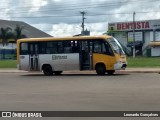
{"x": 47, "y": 70}
{"x": 100, "y": 69}
{"x": 110, "y": 72}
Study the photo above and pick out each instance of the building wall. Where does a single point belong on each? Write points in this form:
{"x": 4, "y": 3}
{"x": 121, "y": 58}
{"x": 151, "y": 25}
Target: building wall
{"x": 9, "y": 46}
{"x": 147, "y": 39}
{"x": 145, "y": 31}
{"x": 155, "y": 51}
{"x": 8, "y": 51}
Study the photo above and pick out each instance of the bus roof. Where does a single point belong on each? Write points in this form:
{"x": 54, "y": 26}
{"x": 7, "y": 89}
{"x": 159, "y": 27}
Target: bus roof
{"x": 63, "y": 38}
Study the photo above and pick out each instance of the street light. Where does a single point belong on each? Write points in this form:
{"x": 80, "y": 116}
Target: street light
{"x": 134, "y": 50}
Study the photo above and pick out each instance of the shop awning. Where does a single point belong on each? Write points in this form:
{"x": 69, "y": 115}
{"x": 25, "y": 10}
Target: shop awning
{"x": 136, "y": 44}
{"x": 154, "y": 43}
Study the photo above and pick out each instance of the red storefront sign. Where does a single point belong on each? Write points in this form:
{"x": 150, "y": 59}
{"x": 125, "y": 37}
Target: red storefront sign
{"x": 130, "y": 25}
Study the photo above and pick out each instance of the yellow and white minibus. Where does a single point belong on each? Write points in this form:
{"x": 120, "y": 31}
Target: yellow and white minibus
{"x": 55, "y": 55}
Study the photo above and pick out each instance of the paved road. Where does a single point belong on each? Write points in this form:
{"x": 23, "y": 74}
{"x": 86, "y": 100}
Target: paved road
{"x": 120, "y": 92}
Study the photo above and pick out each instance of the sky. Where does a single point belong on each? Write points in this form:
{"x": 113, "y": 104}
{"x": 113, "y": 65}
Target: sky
{"x": 61, "y": 18}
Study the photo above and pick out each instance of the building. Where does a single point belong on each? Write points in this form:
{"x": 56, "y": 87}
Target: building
{"x": 146, "y": 37}
{"x": 28, "y": 30}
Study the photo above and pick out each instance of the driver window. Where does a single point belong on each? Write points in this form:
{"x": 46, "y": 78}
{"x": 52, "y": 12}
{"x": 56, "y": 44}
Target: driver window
{"x": 102, "y": 47}
{"x": 109, "y": 50}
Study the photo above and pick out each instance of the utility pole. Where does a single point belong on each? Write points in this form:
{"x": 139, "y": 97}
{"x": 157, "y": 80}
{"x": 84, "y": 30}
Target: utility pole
{"x": 83, "y": 18}
{"x": 134, "y": 49}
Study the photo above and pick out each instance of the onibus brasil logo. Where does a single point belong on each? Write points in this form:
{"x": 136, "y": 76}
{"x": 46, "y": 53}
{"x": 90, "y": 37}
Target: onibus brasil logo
{"x": 21, "y": 114}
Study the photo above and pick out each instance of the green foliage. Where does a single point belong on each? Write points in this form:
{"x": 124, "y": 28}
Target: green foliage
{"x": 18, "y": 32}
{"x": 144, "y": 62}
{"x": 5, "y": 34}
{"x": 8, "y": 63}
{"x": 153, "y": 62}
{"x": 9, "y": 33}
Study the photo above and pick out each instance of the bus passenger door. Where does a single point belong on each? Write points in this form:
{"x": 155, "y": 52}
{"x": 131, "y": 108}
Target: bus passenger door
{"x": 85, "y": 55}
{"x": 33, "y": 56}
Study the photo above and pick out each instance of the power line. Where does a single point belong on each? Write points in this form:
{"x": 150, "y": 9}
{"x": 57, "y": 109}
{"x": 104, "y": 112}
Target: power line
{"x": 83, "y": 3}
{"x": 52, "y": 16}
{"x": 80, "y": 7}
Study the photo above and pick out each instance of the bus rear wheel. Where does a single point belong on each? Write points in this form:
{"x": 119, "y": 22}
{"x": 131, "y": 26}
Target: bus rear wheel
{"x": 57, "y": 72}
{"x": 47, "y": 70}
{"x": 110, "y": 72}
{"x": 100, "y": 69}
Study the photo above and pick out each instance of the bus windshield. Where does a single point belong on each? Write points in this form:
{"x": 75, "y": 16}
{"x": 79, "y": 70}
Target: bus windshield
{"x": 116, "y": 46}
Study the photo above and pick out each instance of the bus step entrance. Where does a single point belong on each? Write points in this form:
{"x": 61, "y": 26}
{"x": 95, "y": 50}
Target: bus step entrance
{"x": 85, "y": 66}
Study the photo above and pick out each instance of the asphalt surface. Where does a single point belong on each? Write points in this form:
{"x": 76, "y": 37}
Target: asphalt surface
{"x": 80, "y": 92}
{"x": 127, "y": 70}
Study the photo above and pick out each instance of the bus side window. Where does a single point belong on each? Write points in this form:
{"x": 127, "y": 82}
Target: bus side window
{"x": 51, "y": 47}
{"x": 24, "y": 49}
{"x": 43, "y": 48}
{"x": 67, "y": 47}
{"x": 60, "y": 47}
{"x": 54, "y": 48}
{"x": 74, "y": 45}
{"x": 97, "y": 47}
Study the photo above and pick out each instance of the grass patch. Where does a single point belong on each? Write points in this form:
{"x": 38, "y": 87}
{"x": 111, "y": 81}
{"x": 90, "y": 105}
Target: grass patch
{"x": 8, "y": 63}
{"x": 144, "y": 62}
{"x": 132, "y": 62}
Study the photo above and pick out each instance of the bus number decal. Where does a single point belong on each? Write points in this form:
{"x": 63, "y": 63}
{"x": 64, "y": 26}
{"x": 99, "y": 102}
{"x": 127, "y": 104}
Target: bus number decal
{"x": 58, "y": 57}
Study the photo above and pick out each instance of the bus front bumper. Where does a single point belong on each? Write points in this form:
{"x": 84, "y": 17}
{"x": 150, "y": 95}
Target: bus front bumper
{"x": 120, "y": 66}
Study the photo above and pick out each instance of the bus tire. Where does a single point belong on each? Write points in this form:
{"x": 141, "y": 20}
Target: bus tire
{"x": 110, "y": 72}
{"x": 57, "y": 72}
{"x": 47, "y": 70}
{"x": 101, "y": 69}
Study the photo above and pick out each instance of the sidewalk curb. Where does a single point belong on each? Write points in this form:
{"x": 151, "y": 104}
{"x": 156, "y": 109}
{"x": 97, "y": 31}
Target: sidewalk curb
{"x": 129, "y": 71}
{"x": 84, "y": 72}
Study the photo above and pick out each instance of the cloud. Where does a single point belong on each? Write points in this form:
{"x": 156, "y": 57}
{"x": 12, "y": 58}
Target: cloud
{"x": 44, "y": 27}
{"x": 4, "y": 9}
{"x": 64, "y": 29}
{"x": 36, "y": 5}
{"x": 56, "y": 0}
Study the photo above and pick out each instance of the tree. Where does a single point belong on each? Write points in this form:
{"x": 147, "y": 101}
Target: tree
{"x": 18, "y": 33}
{"x": 5, "y": 34}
